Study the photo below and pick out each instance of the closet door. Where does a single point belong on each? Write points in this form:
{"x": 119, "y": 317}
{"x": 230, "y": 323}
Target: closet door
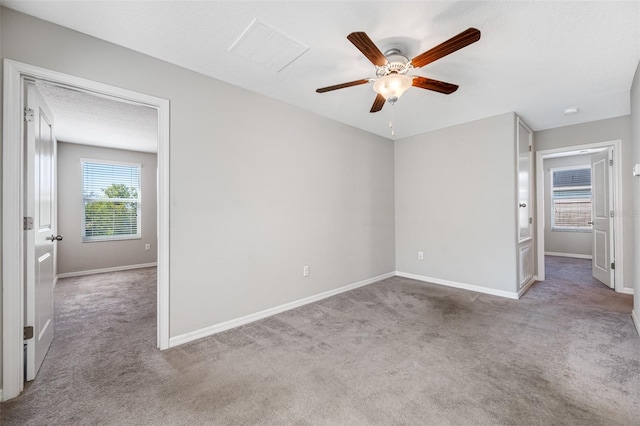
{"x": 525, "y": 242}
{"x": 525, "y": 148}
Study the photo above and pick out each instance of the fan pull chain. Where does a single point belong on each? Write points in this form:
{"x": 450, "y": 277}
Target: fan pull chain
{"x": 393, "y": 132}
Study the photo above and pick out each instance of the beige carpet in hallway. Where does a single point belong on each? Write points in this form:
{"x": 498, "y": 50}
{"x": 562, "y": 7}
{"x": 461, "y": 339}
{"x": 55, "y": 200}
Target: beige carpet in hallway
{"x": 394, "y": 352}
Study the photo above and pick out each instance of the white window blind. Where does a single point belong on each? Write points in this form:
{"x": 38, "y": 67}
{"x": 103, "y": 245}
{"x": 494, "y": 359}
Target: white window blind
{"x": 571, "y": 199}
{"x": 111, "y": 195}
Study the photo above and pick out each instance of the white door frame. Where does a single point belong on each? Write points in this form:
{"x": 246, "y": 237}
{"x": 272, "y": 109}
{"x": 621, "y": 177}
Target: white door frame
{"x": 13, "y": 210}
{"x": 617, "y": 200}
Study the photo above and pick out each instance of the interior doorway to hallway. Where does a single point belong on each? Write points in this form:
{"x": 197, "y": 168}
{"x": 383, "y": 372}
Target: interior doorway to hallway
{"x": 15, "y": 76}
{"x": 606, "y": 249}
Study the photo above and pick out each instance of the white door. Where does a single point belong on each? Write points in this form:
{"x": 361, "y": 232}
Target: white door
{"x": 525, "y": 198}
{"x": 602, "y": 221}
{"x": 526, "y": 264}
{"x": 40, "y": 235}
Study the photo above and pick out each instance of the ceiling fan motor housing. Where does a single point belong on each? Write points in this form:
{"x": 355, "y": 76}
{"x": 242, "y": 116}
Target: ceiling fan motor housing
{"x": 397, "y": 63}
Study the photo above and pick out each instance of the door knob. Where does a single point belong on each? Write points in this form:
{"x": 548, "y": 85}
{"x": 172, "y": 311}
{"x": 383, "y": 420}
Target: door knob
{"x": 590, "y": 222}
{"x": 523, "y": 204}
{"x": 55, "y": 238}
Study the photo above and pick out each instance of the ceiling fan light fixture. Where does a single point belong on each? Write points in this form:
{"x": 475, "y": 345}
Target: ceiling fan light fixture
{"x": 392, "y": 67}
{"x": 392, "y": 86}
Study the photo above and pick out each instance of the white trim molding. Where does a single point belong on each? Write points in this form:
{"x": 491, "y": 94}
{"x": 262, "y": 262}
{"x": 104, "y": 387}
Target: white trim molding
{"x": 12, "y": 207}
{"x": 572, "y": 255}
{"x": 227, "y": 325}
{"x": 12, "y": 239}
{"x": 464, "y": 286}
{"x": 636, "y": 320}
{"x": 105, "y": 270}
{"x": 627, "y": 290}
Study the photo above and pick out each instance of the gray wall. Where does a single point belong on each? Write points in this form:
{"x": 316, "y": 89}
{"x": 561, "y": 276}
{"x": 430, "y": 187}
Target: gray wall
{"x": 635, "y": 213}
{"x": 258, "y": 188}
{"x": 602, "y": 131}
{"x": 563, "y": 241}
{"x": 73, "y": 254}
{"x": 455, "y": 201}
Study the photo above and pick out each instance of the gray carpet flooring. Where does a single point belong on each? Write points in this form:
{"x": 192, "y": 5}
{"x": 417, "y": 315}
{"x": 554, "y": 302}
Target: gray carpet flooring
{"x": 394, "y": 352}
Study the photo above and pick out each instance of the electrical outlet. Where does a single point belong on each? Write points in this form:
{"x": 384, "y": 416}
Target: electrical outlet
{"x": 420, "y": 255}
{"x": 147, "y": 247}
{"x": 306, "y": 271}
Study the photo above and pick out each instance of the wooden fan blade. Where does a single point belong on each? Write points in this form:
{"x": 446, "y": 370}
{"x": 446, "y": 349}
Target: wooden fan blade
{"x": 368, "y": 48}
{"x": 378, "y": 103}
{"x": 465, "y": 38}
{"x": 342, "y": 86}
{"x": 435, "y": 85}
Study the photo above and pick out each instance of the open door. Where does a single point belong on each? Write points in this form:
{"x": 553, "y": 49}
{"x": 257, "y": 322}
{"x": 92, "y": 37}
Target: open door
{"x": 602, "y": 219}
{"x": 40, "y": 228}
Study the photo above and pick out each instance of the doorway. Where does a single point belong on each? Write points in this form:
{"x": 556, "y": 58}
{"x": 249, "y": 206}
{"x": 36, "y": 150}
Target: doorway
{"x": 13, "y": 214}
{"x": 615, "y": 238}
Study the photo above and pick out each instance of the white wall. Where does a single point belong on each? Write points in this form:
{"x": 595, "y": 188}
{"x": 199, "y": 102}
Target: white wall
{"x": 601, "y": 131}
{"x": 258, "y": 188}
{"x": 75, "y": 255}
{"x": 561, "y": 241}
{"x": 455, "y": 201}
{"x": 635, "y": 216}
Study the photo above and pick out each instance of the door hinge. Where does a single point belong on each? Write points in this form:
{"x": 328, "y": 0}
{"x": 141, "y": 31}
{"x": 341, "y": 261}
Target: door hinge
{"x": 611, "y": 162}
{"x": 611, "y": 213}
{"x": 27, "y": 223}
{"x": 530, "y": 220}
{"x": 28, "y": 114}
{"x": 530, "y": 148}
{"x": 613, "y": 265}
{"x": 27, "y": 332}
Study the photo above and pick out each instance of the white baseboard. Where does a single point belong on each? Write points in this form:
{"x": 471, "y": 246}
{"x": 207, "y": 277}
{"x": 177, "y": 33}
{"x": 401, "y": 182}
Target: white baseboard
{"x": 103, "y": 270}
{"x": 575, "y": 256}
{"x": 455, "y": 284}
{"x": 227, "y": 325}
{"x": 1, "y": 400}
{"x": 527, "y": 285}
{"x": 636, "y": 320}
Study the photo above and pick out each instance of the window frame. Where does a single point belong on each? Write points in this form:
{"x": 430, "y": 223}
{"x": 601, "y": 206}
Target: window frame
{"x": 121, "y": 237}
{"x": 554, "y": 227}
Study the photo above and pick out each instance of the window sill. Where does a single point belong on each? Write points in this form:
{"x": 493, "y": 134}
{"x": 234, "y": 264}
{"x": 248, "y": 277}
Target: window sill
{"x": 104, "y": 240}
{"x": 583, "y": 231}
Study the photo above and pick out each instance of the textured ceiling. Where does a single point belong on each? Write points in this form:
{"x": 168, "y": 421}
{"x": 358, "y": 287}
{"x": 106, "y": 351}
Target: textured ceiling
{"x": 535, "y": 57}
{"x": 90, "y": 119}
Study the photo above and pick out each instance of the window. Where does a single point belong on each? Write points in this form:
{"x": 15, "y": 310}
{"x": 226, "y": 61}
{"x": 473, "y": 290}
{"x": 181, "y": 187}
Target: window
{"x": 571, "y": 199}
{"x": 111, "y": 195}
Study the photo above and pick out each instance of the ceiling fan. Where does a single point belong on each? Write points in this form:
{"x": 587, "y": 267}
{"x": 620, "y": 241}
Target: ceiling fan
{"x": 393, "y": 68}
